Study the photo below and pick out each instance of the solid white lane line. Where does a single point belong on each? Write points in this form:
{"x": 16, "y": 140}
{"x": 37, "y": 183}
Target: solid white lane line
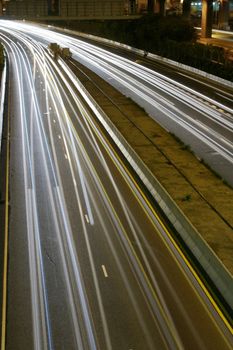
{"x": 104, "y": 271}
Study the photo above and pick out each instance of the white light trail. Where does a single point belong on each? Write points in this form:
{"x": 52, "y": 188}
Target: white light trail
{"x": 65, "y": 114}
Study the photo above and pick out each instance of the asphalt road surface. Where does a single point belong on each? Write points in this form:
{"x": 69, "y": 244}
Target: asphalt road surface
{"x": 91, "y": 265}
{"x": 197, "y": 111}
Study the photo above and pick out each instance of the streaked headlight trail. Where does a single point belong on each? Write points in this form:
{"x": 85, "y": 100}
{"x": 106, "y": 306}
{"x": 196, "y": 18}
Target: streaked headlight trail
{"x": 91, "y": 264}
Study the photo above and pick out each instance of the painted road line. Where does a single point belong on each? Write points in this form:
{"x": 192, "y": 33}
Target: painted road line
{"x": 87, "y": 219}
{"x": 104, "y": 271}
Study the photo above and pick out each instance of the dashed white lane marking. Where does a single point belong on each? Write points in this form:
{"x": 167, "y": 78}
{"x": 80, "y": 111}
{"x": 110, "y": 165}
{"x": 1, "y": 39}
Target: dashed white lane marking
{"x": 59, "y": 136}
{"x": 87, "y": 219}
{"x": 54, "y": 120}
{"x": 66, "y": 156}
{"x": 104, "y": 271}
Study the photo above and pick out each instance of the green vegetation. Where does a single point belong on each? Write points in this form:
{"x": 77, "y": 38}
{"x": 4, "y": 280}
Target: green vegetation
{"x": 172, "y": 37}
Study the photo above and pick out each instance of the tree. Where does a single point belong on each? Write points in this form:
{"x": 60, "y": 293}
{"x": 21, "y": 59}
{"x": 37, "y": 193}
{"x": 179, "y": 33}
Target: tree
{"x": 150, "y": 6}
{"x": 161, "y": 7}
{"x": 186, "y": 8}
{"x": 206, "y": 18}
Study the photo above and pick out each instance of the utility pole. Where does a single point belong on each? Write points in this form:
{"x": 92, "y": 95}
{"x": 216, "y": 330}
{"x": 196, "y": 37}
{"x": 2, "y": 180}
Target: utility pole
{"x": 206, "y": 21}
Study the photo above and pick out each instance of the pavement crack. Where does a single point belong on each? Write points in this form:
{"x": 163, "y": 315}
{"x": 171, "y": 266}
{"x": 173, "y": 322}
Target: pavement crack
{"x": 49, "y": 257}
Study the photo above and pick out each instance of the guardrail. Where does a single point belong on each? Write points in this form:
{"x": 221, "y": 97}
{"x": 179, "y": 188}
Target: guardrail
{"x": 199, "y": 248}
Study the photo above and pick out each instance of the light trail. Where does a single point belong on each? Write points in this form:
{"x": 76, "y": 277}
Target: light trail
{"x": 40, "y": 305}
{"x": 38, "y": 285}
{"x": 99, "y": 152}
{"x": 141, "y": 81}
{"x": 82, "y": 207}
{"x": 211, "y": 138}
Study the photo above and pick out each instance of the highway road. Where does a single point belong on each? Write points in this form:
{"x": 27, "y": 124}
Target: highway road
{"x": 91, "y": 264}
{"x": 199, "y": 112}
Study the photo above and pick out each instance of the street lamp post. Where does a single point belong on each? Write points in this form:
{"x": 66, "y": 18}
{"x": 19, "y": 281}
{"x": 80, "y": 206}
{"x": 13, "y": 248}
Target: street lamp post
{"x": 207, "y": 18}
